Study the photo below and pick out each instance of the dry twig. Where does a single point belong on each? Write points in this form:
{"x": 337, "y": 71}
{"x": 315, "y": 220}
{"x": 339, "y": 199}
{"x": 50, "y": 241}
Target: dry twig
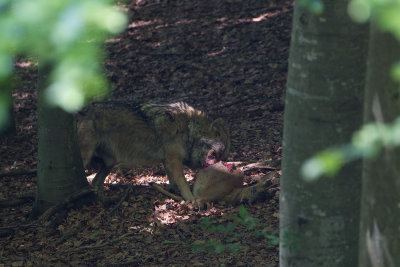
{"x": 257, "y": 166}
{"x": 106, "y": 243}
{"x": 165, "y": 192}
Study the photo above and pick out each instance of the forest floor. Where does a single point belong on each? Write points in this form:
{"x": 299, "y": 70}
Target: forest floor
{"x": 225, "y": 57}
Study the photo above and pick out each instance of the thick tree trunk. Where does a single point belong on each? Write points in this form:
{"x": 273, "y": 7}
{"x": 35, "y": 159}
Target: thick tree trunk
{"x": 380, "y": 206}
{"x": 324, "y": 101}
{"x": 60, "y": 168}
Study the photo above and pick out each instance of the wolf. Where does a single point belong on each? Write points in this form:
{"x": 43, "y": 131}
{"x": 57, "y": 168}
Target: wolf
{"x": 131, "y": 134}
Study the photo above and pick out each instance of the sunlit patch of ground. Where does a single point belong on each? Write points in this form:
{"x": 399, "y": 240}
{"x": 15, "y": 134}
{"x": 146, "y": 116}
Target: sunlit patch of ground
{"x": 228, "y": 58}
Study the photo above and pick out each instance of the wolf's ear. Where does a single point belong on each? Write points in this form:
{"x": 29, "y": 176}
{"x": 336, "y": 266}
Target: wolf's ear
{"x": 218, "y": 127}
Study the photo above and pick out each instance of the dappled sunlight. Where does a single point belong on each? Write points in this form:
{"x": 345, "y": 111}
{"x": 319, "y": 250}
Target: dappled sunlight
{"x": 91, "y": 177}
{"x": 223, "y": 21}
{"x": 226, "y": 22}
{"x": 166, "y": 211}
{"x": 138, "y": 177}
{"x": 156, "y": 26}
{"x": 23, "y": 96}
{"x": 26, "y": 64}
{"x": 146, "y": 179}
{"x": 265, "y": 16}
{"x": 213, "y": 54}
{"x": 140, "y": 229}
{"x": 223, "y": 57}
{"x": 170, "y": 212}
{"x": 113, "y": 40}
{"x": 141, "y": 23}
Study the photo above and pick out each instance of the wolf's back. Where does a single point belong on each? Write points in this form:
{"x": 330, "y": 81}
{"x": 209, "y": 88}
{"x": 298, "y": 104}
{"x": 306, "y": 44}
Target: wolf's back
{"x": 117, "y": 132}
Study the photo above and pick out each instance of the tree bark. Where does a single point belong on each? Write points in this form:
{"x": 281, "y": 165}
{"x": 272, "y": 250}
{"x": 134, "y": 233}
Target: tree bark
{"x": 8, "y": 127}
{"x": 380, "y": 206}
{"x": 60, "y": 169}
{"x": 324, "y": 101}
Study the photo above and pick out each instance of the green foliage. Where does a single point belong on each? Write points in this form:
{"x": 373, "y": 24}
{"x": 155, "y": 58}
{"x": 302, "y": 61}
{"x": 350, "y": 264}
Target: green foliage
{"x": 315, "y": 6}
{"x": 67, "y": 34}
{"x": 386, "y": 13}
{"x": 366, "y": 143}
{"x": 327, "y": 162}
{"x": 230, "y": 235}
{"x": 168, "y": 242}
{"x": 213, "y": 246}
{"x": 373, "y": 137}
{"x": 359, "y": 10}
{"x": 95, "y": 234}
{"x": 273, "y": 240}
{"x": 245, "y": 219}
{"x": 395, "y": 72}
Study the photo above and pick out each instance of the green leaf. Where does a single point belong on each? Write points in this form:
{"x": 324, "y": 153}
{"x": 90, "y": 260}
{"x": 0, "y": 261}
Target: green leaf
{"x": 238, "y": 219}
{"x": 168, "y": 242}
{"x": 67, "y": 34}
{"x": 230, "y": 228}
{"x": 395, "y": 72}
{"x": 359, "y": 10}
{"x": 243, "y": 212}
{"x": 5, "y": 65}
{"x": 314, "y": 6}
{"x": 219, "y": 248}
{"x": 389, "y": 18}
{"x": 327, "y": 162}
{"x": 205, "y": 223}
{"x": 95, "y": 234}
{"x": 233, "y": 248}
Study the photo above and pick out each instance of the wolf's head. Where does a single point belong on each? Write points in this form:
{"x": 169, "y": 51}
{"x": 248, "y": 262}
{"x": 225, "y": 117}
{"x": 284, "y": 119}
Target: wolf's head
{"x": 210, "y": 143}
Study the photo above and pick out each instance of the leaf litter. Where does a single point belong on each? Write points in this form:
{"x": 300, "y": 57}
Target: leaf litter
{"x": 228, "y": 58}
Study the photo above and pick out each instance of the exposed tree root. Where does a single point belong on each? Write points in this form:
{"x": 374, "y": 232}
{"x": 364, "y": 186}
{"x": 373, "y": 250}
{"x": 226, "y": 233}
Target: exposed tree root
{"x": 17, "y": 200}
{"x": 121, "y": 200}
{"x": 17, "y": 173}
{"x": 61, "y": 205}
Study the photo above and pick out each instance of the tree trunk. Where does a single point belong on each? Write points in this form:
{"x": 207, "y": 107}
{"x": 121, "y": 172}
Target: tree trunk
{"x": 7, "y": 122}
{"x": 380, "y": 206}
{"x": 324, "y": 101}
{"x": 60, "y": 168}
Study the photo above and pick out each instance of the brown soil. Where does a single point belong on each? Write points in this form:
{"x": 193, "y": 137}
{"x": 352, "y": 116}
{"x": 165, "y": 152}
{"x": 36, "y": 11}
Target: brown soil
{"x": 226, "y": 57}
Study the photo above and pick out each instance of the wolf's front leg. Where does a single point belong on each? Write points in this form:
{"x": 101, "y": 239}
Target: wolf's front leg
{"x": 98, "y": 181}
{"x": 174, "y": 169}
